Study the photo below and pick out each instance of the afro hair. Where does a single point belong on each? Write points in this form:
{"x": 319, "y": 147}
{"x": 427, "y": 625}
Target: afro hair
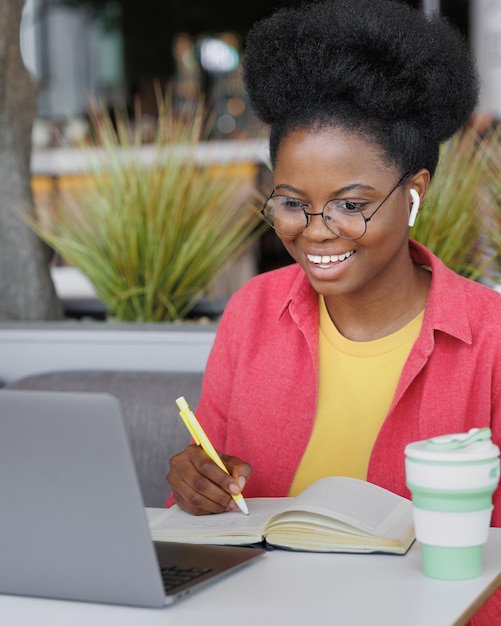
{"x": 378, "y": 67}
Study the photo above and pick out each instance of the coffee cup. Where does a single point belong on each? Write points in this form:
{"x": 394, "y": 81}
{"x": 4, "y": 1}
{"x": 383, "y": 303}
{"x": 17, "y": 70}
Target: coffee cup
{"x": 452, "y": 479}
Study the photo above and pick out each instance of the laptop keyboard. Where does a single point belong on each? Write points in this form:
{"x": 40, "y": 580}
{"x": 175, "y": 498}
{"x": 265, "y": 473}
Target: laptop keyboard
{"x": 174, "y": 576}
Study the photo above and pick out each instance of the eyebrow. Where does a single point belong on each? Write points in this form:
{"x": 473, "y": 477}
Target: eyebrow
{"x": 338, "y": 192}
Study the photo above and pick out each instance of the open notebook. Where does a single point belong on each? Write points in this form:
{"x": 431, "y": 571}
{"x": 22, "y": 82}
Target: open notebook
{"x": 72, "y": 521}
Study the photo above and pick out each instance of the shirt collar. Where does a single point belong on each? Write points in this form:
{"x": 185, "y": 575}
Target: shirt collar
{"x": 445, "y": 309}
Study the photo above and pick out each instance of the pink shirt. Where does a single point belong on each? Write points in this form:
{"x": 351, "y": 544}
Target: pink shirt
{"x": 260, "y": 386}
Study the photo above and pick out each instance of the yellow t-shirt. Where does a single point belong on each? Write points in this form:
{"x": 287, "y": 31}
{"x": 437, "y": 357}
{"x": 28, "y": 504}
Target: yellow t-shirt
{"x": 357, "y": 382}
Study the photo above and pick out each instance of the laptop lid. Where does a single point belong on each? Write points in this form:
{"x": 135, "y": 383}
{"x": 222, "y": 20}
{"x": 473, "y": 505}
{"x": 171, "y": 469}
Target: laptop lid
{"x": 72, "y": 521}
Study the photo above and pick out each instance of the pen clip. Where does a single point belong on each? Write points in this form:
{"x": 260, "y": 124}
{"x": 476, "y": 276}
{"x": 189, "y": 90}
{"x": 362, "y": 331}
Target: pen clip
{"x": 183, "y": 408}
{"x": 198, "y": 434}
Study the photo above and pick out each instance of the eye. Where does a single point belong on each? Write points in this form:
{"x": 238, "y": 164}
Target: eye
{"x": 291, "y": 204}
{"x": 345, "y": 206}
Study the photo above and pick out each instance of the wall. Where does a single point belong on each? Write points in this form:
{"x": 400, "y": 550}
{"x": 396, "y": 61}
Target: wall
{"x": 486, "y": 37}
{"x": 30, "y": 348}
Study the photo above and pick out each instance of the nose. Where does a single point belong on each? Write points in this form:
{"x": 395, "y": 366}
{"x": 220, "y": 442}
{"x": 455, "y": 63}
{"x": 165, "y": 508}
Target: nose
{"x": 317, "y": 228}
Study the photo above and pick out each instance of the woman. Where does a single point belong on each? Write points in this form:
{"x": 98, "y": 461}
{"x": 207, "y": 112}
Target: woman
{"x": 333, "y": 364}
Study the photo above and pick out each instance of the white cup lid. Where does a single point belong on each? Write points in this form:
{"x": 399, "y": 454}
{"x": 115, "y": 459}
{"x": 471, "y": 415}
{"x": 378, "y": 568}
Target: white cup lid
{"x": 475, "y": 445}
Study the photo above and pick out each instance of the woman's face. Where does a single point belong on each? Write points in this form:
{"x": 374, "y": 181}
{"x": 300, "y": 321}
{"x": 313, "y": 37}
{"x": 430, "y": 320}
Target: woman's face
{"x": 332, "y": 164}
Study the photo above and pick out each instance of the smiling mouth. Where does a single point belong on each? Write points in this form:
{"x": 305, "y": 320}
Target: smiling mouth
{"x": 331, "y": 258}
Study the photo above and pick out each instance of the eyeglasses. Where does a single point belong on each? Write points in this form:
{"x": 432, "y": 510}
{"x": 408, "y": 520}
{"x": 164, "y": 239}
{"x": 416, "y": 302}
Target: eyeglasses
{"x": 290, "y": 216}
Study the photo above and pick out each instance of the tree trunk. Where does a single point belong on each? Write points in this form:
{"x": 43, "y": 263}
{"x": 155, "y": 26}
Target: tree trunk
{"x": 26, "y": 289}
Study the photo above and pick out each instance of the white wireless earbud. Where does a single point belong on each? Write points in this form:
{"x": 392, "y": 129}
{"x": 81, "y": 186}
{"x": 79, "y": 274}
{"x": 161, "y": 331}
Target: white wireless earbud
{"x": 415, "y": 207}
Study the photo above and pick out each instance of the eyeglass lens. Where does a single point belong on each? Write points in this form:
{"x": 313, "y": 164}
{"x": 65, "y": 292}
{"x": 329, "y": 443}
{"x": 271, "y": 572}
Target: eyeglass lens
{"x": 288, "y": 217}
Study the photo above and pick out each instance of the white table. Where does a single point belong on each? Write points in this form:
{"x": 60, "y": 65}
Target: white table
{"x": 296, "y": 589}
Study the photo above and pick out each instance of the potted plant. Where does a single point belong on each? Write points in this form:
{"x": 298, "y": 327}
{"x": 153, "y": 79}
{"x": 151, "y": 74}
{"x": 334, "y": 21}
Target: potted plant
{"x": 154, "y": 227}
{"x": 461, "y": 217}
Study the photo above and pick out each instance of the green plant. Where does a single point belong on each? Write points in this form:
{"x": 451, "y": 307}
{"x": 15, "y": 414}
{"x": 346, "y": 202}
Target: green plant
{"x": 152, "y": 237}
{"x": 493, "y": 184}
{"x": 461, "y": 216}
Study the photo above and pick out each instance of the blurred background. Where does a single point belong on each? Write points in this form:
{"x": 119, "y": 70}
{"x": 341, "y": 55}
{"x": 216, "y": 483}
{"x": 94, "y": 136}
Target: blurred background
{"x": 117, "y": 48}
{"x": 121, "y": 51}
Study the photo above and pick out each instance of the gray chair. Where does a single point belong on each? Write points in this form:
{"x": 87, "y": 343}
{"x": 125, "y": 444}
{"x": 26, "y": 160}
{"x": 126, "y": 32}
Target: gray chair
{"x": 148, "y": 403}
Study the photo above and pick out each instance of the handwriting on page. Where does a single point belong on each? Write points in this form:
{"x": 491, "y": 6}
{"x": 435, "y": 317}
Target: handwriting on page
{"x": 175, "y": 519}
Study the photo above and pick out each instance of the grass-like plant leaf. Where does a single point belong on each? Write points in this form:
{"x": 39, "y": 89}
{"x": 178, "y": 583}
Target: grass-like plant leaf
{"x": 152, "y": 237}
{"x": 461, "y": 216}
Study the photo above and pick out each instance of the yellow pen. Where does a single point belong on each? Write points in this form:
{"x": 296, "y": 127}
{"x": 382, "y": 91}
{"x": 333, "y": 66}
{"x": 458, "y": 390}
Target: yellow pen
{"x": 200, "y": 438}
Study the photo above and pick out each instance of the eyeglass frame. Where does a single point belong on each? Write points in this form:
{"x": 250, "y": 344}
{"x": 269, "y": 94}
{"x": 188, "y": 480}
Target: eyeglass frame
{"x": 309, "y": 215}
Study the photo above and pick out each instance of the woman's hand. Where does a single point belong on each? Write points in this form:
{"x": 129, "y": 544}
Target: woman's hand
{"x": 200, "y": 487}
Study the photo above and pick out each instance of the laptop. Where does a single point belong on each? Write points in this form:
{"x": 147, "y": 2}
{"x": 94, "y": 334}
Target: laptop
{"x": 72, "y": 521}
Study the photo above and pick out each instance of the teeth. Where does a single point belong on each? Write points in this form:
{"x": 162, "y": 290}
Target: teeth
{"x": 333, "y": 258}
